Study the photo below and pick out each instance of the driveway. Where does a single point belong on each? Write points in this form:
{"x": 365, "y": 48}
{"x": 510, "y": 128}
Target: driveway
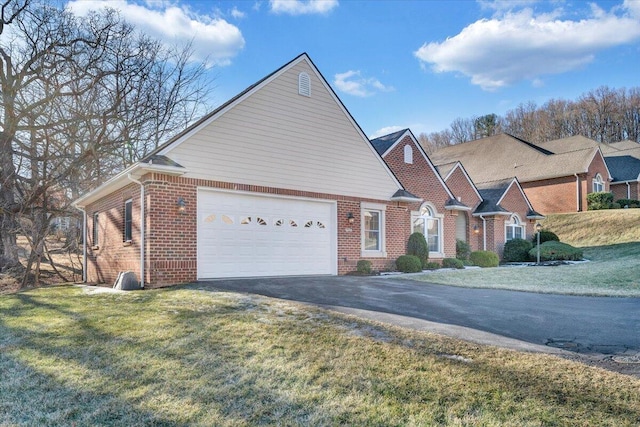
{"x": 520, "y": 320}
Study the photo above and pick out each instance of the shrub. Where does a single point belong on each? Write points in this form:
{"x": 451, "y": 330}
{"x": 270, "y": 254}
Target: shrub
{"x": 556, "y": 251}
{"x": 364, "y": 266}
{"x": 452, "y": 263}
{"x": 630, "y": 203}
{"x": 417, "y": 246}
{"x": 409, "y": 264}
{"x": 599, "y": 200}
{"x": 545, "y": 236}
{"x": 462, "y": 249}
{"x": 484, "y": 259}
{"x": 432, "y": 266}
{"x": 517, "y": 250}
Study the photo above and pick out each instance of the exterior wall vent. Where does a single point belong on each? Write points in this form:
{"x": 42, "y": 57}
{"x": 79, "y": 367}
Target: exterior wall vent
{"x": 304, "y": 84}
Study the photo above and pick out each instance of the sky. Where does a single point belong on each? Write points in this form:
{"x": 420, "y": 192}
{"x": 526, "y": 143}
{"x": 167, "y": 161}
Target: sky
{"x": 407, "y": 64}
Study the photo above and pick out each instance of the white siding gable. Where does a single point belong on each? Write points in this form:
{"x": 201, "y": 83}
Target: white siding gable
{"x": 275, "y": 137}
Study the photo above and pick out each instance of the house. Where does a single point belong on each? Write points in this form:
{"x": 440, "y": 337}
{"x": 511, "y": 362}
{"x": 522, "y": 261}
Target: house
{"x": 280, "y": 180}
{"x": 438, "y": 215}
{"x": 553, "y": 182}
{"x": 453, "y": 208}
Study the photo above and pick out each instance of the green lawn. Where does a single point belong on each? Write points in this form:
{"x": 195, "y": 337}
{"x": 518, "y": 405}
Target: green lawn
{"x": 612, "y": 271}
{"x": 184, "y": 356}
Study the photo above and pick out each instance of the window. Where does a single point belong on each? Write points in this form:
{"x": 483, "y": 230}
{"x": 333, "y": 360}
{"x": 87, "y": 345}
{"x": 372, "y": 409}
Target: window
{"x": 372, "y": 223}
{"x": 429, "y": 223}
{"x": 126, "y": 237}
{"x": 514, "y": 229}
{"x": 598, "y": 184}
{"x": 304, "y": 84}
{"x": 95, "y": 229}
{"x": 408, "y": 154}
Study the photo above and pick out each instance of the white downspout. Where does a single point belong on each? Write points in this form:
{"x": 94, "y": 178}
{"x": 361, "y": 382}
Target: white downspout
{"x": 628, "y": 190}
{"x": 577, "y": 192}
{"x": 84, "y": 243}
{"x": 484, "y": 233}
{"x": 142, "y": 228}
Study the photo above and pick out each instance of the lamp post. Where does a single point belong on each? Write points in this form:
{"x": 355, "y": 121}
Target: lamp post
{"x": 538, "y": 230}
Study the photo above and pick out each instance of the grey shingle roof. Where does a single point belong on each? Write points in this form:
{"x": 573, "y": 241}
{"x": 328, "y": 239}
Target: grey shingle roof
{"x": 623, "y": 168}
{"x": 383, "y": 143}
{"x": 491, "y": 192}
{"x": 158, "y": 160}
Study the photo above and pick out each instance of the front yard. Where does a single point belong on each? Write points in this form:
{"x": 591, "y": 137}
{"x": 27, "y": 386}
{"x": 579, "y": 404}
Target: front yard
{"x": 611, "y": 271}
{"x": 183, "y": 356}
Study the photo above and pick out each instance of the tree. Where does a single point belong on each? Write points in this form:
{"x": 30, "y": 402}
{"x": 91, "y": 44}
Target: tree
{"x": 486, "y": 125}
{"x": 82, "y": 98}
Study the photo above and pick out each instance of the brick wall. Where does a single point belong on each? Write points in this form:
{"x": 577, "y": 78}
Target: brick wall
{"x": 552, "y": 195}
{"x": 171, "y": 236}
{"x": 463, "y": 189}
{"x": 621, "y": 190}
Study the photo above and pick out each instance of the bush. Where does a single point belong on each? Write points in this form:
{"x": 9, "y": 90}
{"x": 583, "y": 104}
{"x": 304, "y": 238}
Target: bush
{"x": 630, "y": 203}
{"x": 417, "y": 246}
{"x": 364, "y": 266}
{"x": 545, "y": 236}
{"x": 517, "y": 250}
{"x": 452, "y": 263}
{"x": 556, "y": 251}
{"x": 432, "y": 266}
{"x": 409, "y": 264}
{"x": 462, "y": 249}
{"x": 600, "y": 200}
{"x": 484, "y": 259}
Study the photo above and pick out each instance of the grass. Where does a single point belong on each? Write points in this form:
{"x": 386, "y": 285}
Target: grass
{"x": 610, "y": 240}
{"x": 183, "y": 356}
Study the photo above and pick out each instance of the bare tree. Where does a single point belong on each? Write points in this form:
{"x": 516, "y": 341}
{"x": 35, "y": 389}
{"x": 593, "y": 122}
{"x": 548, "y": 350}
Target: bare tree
{"x": 81, "y": 99}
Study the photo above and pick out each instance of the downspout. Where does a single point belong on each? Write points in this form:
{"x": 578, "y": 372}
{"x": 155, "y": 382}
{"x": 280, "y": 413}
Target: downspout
{"x": 142, "y": 228}
{"x": 484, "y": 233}
{"x": 84, "y": 243}
{"x": 628, "y": 190}
{"x": 577, "y": 192}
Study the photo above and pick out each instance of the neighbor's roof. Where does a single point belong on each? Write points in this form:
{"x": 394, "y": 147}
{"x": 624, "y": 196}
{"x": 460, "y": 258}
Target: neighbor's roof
{"x": 625, "y": 145}
{"x": 574, "y": 143}
{"x": 504, "y": 156}
{"x": 624, "y": 168}
{"x": 633, "y": 152}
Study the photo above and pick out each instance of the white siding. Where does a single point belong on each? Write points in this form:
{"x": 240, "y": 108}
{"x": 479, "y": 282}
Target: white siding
{"x": 277, "y": 138}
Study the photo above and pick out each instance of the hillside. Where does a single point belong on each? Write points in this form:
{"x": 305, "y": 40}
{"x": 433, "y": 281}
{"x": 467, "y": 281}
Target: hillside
{"x": 596, "y": 228}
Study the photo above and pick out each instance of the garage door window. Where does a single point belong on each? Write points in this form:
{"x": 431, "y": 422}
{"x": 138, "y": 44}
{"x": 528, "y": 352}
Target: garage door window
{"x": 372, "y": 221}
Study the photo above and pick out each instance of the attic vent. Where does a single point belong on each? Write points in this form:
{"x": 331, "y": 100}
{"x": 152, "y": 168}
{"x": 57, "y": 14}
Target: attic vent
{"x": 304, "y": 84}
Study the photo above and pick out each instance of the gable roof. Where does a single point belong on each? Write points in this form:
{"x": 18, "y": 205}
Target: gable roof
{"x": 255, "y": 143}
{"x": 382, "y": 144}
{"x": 449, "y": 168}
{"x": 625, "y": 168}
{"x": 493, "y": 193}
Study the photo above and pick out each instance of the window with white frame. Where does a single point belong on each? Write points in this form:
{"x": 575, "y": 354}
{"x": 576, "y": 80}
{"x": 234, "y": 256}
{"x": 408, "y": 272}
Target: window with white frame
{"x": 598, "y": 184}
{"x": 128, "y": 219}
{"x": 373, "y": 237}
{"x": 408, "y": 154}
{"x": 428, "y": 222}
{"x": 514, "y": 229}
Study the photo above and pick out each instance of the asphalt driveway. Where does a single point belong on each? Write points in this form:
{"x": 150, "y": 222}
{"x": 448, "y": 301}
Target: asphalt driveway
{"x": 587, "y": 325}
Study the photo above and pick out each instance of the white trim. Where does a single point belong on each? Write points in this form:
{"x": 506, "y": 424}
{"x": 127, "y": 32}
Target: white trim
{"x": 599, "y": 181}
{"x": 510, "y": 224}
{"x": 521, "y": 192}
{"x": 440, "y": 220}
{"x": 382, "y": 251}
{"x": 408, "y": 154}
{"x": 142, "y": 228}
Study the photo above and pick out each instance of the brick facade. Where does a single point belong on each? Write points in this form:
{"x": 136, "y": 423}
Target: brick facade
{"x": 625, "y": 190}
{"x": 171, "y": 236}
{"x": 464, "y": 191}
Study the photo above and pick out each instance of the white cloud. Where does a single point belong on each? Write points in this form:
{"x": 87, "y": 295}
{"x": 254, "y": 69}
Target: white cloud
{"x": 213, "y": 38}
{"x": 523, "y": 45}
{"x": 238, "y": 14}
{"x": 300, "y": 7}
{"x": 354, "y": 84}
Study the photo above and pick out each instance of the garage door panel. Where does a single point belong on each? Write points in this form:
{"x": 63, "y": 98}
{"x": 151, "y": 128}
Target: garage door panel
{"x": 241, "y": 235}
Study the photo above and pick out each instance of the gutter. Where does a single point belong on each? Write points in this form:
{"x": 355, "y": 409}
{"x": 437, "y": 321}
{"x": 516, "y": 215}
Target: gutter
{"x": 484, "y": 233}
{"x": 142, "y": 228}
{"x": 628, "y": 190}
{"x": 577, "y": 192}
{"x": 84, "y": 243}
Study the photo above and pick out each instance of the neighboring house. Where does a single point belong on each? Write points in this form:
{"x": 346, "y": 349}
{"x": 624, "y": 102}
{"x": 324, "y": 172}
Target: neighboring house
{"x": 553, "y": 182}
{"x": 501, "y": 209}
{"x": 280, "y": 180}
{"x": 439, "y": 215}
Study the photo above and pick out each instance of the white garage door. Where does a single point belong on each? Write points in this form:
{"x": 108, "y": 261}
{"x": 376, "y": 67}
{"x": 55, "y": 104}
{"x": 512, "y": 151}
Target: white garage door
{"x": 244, "y": 235}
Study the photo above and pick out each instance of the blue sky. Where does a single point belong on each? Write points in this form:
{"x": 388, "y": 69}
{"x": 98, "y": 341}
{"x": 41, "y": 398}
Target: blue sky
{"x": 416, "y": 64}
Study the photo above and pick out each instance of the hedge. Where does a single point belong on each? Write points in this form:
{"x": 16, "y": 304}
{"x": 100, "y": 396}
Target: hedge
{"x": 545, "y": 236}
{"x": 462, "y": 249}
{"x": 484, "y": 258}
{"x": 417, "y": 245}
{"x": 452, "y": 263}
{"x": 599, "y": 200}
{"x": 556, "y": 251}
{"x": 517, "y": 250}
{"x": 364, "y": 266}
{"x": 409, "y": 264}
{"x": 630, "y": 203}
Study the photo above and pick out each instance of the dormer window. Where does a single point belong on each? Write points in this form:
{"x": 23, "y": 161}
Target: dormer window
{"x": 408, "y": 154}
{"x": 304, "y": 84}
